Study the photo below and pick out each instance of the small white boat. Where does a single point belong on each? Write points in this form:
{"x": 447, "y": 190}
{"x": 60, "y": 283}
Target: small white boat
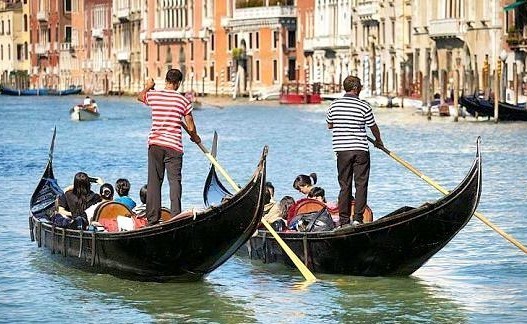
{"x": 81, "y": 113}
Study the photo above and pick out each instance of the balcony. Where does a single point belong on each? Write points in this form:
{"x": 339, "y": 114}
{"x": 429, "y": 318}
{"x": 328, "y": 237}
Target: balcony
{"x": 97, "y": 33}
{"x": 264, "y": 12}
{"x": 332, "y": 42}
{"x": 170, "y": 35}
{"x": 42, "y": 49}
{"x": 369, "y": 10}
{"x": 208, "y": 23}
{"x": 516, "y": 40}
{"x": 447, "y": 28}
{"x": 66, "y": 47}
{"x": 123, "y": 56}
{"x": 123, "y": 14}
{"x": 42, "y": 16}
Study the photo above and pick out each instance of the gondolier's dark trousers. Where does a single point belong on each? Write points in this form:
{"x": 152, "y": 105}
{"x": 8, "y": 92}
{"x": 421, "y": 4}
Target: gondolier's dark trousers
{"x": 159, "y": 159}
{"x": 353, "y": 166}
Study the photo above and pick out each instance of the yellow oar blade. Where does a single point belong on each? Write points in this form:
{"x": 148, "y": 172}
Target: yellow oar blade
{"x": 308, "y": 275}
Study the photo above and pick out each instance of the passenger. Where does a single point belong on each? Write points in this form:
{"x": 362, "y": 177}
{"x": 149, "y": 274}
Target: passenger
{"x": 106, "y": 192}
{"x": 72, "y": 204}
{"x": 140, "y": 210}
{"x": 285, "y": 204}
{"x": 304, "y": 183}
{"x": 122, "y": 186}
{"x": 271, "y": 208}
{"x": 269, "y": 186}
{"x": 318, "y": 194}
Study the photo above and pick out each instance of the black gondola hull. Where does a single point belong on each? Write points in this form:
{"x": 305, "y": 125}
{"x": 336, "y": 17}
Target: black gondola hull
{"x": 181, "y": 249}
{"x": 484, "y": 108}
{"x": 395, "y": 245}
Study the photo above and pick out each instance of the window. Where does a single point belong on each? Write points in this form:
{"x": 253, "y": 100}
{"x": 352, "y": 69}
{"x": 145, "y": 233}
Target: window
{"x": 276, "y": 38}
{"x": 2, "y": 52}
{"x": 146, "y": 52}
{"x": 2, "y": 30}
{"x": 205, "y": 48}
{"x": 257, "y": 41}
{"x": 211, "y": 74}
{"x": 250, "y": 40}
{"x": 192, "y": 51}
{"x": 230, "y": 42}
{"x": 236, "y": 41}
{"x": 275, "y": 70}
{"x": 291, "y": 38}
{"x": 257, "y": 67}
{"x": 19, "y": 52}
{"x": 67, "y": 34}
{"x": 67, "y": 5}
{"x": 212, "y": 41}
{"x": 25, "y": 23}
{"x": 9, "y": 27}
{"x": 158, "y": 52}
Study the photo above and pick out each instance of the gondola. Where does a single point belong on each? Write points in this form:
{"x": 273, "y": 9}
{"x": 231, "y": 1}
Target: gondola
{"x": 394, "y": 245}
{"x": 479, "y": 107}
{"x": 184, "y": 248}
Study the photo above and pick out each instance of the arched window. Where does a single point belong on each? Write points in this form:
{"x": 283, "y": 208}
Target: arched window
{"x": 25, "y": 23}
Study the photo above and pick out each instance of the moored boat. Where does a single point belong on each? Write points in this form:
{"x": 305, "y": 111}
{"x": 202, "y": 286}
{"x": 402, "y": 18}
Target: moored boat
{"x": 41, "y": 91}
{"x": 396, "y": 244}
{"x": 81, "y": 113}
{"x": 480, "y": 107}
{"x": 186, "y": 247}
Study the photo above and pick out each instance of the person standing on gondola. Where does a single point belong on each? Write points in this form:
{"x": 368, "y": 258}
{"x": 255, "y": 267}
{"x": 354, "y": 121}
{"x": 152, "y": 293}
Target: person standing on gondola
{"x": 348, "y": 117}
{"x": 165, "y": 146}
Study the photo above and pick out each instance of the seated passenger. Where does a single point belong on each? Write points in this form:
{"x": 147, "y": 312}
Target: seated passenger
{"x": 271, "y": 208}
{"x": 140, "y": 210}
{"x": 285, "y": 203}
{"x": 122, "y": 187}
{"x": 72, "y": 204}
{"x": 269, "y": 186}
{"x": 304, "y": 183}
{"x": 318, "y": 194}
{"x": 106, "y": 192}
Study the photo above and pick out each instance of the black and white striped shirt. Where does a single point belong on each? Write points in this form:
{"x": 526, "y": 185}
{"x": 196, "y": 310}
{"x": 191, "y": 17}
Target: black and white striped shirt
{"x": 350, "y": 116}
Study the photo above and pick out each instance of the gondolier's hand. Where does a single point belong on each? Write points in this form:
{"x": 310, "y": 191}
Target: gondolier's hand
{"x": 195, "y": 138}
{"x": 378, "y": 143}
{"x": 150, "y": 84}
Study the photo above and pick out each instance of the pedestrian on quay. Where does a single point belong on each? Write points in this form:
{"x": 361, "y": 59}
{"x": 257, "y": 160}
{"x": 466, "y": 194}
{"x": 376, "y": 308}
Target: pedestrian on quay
{"x": 165, "y": 146}
{"x": 348, "y": 117}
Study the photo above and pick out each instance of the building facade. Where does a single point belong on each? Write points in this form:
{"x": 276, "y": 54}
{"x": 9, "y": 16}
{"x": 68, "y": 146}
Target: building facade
{"x": 14, "y": 44}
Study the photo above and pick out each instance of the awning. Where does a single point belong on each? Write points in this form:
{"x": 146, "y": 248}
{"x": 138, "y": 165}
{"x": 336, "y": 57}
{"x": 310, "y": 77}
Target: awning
{"x": 514, "y": 5}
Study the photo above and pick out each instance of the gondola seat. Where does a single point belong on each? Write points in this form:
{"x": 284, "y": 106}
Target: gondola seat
{"x": 107, "y": 212}
{"x": 308, "y": 205}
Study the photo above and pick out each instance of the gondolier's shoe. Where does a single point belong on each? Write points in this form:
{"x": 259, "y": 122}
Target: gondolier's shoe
{"x": 356, "y": 222}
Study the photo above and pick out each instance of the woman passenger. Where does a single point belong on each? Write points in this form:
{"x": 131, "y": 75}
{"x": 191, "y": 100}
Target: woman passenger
{"x": 73, "y": 203}
{"x": 304, "y": 183}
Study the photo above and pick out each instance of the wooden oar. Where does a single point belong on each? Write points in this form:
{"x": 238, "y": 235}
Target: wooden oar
{"x": 445, "y": 192}
{"x": 298, "y": 263}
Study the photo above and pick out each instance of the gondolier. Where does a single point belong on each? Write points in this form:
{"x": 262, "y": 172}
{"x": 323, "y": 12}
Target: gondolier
{"x": 348, "y": 117}
{"x": 165, "y": 146}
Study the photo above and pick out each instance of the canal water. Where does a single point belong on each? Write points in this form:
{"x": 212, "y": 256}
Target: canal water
{"x": 478, "y": 277}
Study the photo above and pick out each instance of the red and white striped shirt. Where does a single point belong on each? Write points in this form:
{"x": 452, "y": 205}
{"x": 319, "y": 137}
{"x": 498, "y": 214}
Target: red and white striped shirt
{"x": 168, "y": 109}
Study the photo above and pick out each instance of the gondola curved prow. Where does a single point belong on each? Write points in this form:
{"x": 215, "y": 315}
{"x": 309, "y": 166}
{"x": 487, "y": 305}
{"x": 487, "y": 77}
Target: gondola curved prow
{"x": 42, "y": 203}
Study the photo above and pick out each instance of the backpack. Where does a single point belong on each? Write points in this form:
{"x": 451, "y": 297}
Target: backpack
{"x": 315, "y": 222}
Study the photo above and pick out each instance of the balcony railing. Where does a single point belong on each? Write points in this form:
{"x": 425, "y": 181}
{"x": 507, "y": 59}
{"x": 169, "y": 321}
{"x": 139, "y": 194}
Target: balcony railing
{"x": 123, "y": 56}
{"x": 448, "y": 27}
{"x": 170, "y": 34}
{"x": 123, "y": 14}
{"x": 264, "y": 12}
{"x": 369, "y": 10}
{"x": 97, "y": 33}
{"x": 42, "y": 16}
{"x": 41, "y": 49}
